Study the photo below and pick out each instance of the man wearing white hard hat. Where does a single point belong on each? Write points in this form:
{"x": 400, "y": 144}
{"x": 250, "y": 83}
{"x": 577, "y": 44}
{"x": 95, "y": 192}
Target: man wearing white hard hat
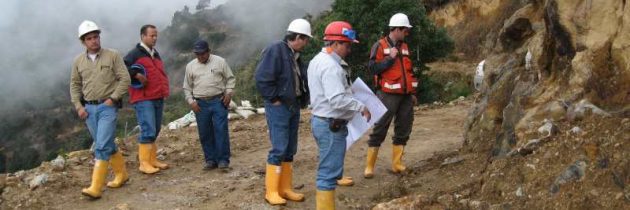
{"x": 281, "y": 80}
{"x": 391, "y": 66}
{"x": 98, "y": 81}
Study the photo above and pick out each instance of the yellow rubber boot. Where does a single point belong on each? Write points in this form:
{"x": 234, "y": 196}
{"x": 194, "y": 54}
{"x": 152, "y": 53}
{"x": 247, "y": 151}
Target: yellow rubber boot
{"x": 154, "y": 160}
{"x": 98, "y": 180}
{"x": 286, "y": 183}
{"x": 345, "y": 181}
{"x": 272, "y": 184}
{"x": 397, "y": 166}
{"x": 325, "y": 200}
{"x": 370, "y": 162}
{"x": 144, "y": 154}
{"x": 120, "y": 170}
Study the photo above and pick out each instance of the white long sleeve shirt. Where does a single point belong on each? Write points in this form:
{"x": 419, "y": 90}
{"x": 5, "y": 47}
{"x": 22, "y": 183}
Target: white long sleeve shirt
{"x": 331, "y": 96}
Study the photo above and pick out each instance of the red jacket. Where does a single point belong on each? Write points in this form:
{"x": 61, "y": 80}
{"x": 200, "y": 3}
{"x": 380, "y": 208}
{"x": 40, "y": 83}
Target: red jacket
{"x": 398, "y": 77}
{"x": 157, "y": 86}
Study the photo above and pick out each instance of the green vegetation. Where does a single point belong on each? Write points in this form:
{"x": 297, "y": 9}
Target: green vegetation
{"x": 245, "y": 85}
{"x": 175, "y": 107}
{"x": 370, "y": 19}
{"x": 28, "y": 140}
{"x": 444, "y": 86}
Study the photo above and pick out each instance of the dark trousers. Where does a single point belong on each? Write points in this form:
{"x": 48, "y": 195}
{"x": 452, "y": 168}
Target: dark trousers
{"x": 212, "y": 124}
{"x": 399, "y": 109}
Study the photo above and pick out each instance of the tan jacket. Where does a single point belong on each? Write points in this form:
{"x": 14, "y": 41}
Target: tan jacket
{"x": 106, "y": 77}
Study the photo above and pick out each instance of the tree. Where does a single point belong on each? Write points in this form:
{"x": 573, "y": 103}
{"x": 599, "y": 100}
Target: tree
{"x": 370, "y": 19}
{"x": 202, "y": 4}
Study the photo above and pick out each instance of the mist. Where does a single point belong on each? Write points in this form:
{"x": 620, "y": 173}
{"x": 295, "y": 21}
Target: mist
{"x": 39, "y": 38}
{"x": 254, "y": 24}
{"x": 39, "y": 41}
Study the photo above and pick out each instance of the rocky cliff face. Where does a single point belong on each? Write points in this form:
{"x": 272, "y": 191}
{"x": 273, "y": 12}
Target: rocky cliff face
{"x": 579, "y": 57}
{"x": 549, "y": 127}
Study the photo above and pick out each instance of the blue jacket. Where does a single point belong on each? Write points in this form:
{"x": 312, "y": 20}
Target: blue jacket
{"x": 274, "y": 75}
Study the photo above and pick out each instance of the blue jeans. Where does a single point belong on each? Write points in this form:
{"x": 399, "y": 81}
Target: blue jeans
{"x": 149, "y": 114}
{"x": 101, "y": 123}
{"x": 283, "y": 122}
{"x": 332, "y": 150}
{"x": 212, "y": 124}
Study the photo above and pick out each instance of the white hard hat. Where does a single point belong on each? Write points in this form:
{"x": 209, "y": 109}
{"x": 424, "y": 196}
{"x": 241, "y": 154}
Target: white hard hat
{"x": 399, "y": 20}
{"x": 87, "y": 27}
{"x": 300, "y": 26}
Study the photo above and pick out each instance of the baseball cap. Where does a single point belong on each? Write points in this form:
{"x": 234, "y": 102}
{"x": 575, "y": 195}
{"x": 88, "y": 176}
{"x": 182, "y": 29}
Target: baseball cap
{"x": 200, "y": 46}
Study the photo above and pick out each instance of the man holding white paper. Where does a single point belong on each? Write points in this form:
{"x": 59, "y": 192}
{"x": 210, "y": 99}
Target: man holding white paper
{"x": 357, "y": 126}
{"x": 333, "y": 105}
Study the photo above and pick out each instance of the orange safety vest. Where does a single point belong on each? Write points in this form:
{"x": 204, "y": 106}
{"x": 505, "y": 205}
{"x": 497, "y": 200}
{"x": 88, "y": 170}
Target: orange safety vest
{"x": 398, "y": 78}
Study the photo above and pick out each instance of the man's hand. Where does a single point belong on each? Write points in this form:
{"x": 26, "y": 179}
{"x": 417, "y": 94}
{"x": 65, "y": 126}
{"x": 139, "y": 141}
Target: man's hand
{"x": 393, "y": 52}
{"x": 277, "y": 103}
{"x": 366, "y": 113}
{"x": 414, "y": 100}
{"x": 82, "y": 113}
{"x": 195, "y": 107}
{"x": 109, "y": 102}
{"x": 227, "y": 98}
{"x": 142, "y": 79}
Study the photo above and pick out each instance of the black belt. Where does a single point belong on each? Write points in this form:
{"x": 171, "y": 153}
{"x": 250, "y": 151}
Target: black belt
{"x": 334, "y": 124}
{"x": 96, "y": 102}
{"x": 208, "y": 98}
{"x": 329, "y": 119}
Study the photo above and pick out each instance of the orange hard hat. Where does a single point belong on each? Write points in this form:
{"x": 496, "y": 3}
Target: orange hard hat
{"x": 340, "y": 31}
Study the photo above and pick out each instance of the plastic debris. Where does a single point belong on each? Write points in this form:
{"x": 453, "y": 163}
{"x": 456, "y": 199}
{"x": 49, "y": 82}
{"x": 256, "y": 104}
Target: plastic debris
{"x": 58, "y": 164}
{"x": 183, "y": 121}
{"x": 38, "y": 181}
{"x": 479, "y": 75}
{"x": 528, "y": 60}
{"x": 245, "y": 113}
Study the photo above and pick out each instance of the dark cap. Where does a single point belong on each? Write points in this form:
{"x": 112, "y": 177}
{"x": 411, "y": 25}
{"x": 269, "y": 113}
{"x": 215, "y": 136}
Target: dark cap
{"x": 200, "y": 46}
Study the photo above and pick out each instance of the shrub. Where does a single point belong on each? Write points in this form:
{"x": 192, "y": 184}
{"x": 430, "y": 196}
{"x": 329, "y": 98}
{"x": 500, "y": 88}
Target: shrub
{"x": 426, "y": 41}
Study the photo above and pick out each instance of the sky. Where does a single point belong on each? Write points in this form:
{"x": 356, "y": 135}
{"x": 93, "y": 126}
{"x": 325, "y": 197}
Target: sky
{"x": 39, "y": 38}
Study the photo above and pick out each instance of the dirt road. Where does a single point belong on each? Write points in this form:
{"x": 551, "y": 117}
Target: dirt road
{"x": 186, "y": 186}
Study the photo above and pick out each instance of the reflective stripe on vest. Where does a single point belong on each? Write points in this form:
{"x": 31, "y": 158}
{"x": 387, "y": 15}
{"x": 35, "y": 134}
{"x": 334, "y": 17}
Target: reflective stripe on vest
{"x": 405, "y": 52}
{"x": 392, "y": 86}
{"x": 397, "y": 79}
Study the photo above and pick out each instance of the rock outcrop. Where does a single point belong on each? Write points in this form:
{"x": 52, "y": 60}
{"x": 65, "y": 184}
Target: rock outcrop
{"x": 550, "y": 122}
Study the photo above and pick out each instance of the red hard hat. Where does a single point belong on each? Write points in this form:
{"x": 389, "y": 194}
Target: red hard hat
{"x": 340, "y": 31}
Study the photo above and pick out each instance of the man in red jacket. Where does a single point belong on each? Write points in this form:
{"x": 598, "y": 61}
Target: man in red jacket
{"x": 147, "y": 92}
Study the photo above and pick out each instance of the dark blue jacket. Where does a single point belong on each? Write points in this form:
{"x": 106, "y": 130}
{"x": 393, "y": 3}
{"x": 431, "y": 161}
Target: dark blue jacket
{"x": 274, "y": 75}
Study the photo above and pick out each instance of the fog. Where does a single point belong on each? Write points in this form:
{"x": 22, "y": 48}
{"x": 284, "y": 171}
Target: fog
{"x": 39, "y": 40}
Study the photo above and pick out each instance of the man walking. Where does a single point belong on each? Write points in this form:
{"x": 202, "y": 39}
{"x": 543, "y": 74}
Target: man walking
{"x": 98, "y": 82}
{"x": 147, "y": 92}
{"x": 281, "y": 80}
{"x": 333, "y": 106}
{"x": 392, "y": 68}
{"x": 208, "y": 86}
